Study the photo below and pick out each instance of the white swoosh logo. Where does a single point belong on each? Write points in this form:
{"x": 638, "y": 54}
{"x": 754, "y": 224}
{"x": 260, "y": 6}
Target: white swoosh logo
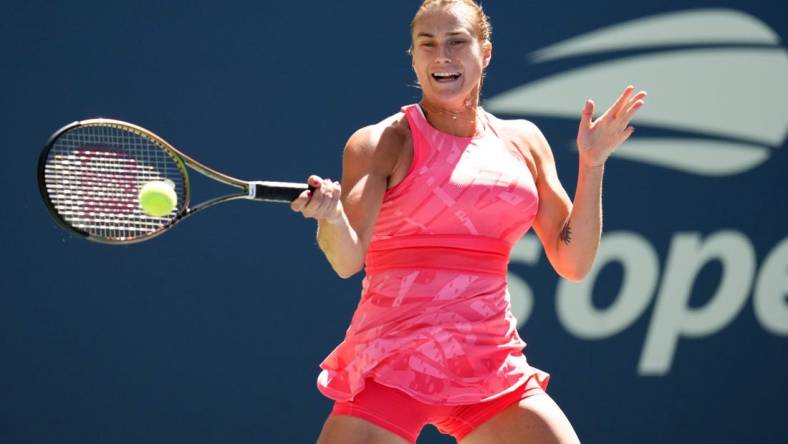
{"x": 740, "y": 94}
{"x": 692, "y": 155}
{"x": 702, "y": 26}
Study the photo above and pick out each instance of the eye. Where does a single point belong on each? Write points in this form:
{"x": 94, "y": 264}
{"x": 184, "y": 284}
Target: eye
{"x": 458, "y": 42}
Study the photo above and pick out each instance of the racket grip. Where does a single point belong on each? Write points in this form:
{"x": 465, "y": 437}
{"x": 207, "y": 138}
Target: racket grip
{"x": 285, "y": 192}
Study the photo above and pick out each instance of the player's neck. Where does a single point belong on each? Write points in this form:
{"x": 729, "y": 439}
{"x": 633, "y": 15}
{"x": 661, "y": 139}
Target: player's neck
{"x": 460, "y": 120}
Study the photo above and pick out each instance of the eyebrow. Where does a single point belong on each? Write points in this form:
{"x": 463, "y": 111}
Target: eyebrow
{"x": 451, "y": 34}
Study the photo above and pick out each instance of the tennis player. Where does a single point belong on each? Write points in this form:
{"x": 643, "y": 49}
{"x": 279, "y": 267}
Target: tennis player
{"x": 431, "y": 201}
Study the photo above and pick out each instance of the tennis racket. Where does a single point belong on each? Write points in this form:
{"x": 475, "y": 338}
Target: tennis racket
{"x": 90, "y": 173}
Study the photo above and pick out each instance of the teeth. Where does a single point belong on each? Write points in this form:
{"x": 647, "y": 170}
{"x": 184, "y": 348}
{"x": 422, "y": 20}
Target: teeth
{"x": 446, "y": 74}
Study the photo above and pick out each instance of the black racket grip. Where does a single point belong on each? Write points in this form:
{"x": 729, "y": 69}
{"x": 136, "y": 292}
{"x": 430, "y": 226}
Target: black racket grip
{"x": 284, "y": 192}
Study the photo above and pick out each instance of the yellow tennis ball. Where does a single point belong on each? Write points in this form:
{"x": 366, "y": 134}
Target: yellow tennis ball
{"x": 157, "y": 198}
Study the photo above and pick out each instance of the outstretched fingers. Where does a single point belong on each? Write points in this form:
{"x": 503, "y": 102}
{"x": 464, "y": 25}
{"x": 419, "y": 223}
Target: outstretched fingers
{"x": 633, "y": 106}
{"x": 622, "y": 101}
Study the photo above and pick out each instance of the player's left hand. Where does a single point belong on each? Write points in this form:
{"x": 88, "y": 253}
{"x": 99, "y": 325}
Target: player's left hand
{"x": 597, "y": 139}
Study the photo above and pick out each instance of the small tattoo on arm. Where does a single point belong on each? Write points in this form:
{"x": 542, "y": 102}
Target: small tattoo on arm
{"x": 566, "y": 234}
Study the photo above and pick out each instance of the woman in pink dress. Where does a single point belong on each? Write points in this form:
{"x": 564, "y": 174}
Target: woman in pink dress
{"x": 432, "y": 200}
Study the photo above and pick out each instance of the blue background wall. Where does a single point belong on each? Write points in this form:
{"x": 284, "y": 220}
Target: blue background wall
{"x": 214, "y": 331}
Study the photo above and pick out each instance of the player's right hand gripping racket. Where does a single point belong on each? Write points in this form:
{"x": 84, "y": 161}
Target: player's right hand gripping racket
{"x": 90, "y": 173}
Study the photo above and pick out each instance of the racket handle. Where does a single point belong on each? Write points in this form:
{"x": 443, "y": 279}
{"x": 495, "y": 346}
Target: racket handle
{"x": 285, "y": 192}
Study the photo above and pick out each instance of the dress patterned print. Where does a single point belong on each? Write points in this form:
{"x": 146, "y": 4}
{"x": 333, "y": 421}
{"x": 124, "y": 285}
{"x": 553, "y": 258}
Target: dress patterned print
{"x": 434, "y": 319}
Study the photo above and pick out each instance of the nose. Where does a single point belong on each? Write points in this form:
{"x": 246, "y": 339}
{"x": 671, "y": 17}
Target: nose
{"x": 443, "y": 55}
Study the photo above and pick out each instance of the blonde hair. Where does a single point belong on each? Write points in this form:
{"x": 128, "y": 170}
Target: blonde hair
{"x": 480, "y": 19}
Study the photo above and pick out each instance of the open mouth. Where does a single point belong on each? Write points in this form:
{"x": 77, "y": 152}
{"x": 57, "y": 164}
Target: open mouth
{"x": 446, "y": 76}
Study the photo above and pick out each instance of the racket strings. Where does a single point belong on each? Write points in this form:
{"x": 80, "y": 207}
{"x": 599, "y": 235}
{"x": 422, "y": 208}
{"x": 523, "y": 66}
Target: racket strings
{"x": 93, "y": 175}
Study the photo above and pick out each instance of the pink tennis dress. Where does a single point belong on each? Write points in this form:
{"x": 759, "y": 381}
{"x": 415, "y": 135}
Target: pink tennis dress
{"x": 434, "y": 318}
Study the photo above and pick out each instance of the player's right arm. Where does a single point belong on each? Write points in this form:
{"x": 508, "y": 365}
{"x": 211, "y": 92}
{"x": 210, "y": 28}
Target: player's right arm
{"x": 346, "y": 213}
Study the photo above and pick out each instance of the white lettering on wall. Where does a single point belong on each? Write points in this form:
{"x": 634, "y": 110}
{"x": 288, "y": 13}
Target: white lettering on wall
{"x": 641, "y": 270}
{"x": 771, "y": 291}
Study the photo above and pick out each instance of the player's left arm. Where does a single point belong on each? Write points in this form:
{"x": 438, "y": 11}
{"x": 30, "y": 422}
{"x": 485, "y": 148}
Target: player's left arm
{"x": 570, "y": 231}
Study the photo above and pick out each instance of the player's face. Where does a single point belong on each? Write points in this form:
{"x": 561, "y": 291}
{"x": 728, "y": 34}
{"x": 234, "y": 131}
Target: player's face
{"x": 447, "y": 56}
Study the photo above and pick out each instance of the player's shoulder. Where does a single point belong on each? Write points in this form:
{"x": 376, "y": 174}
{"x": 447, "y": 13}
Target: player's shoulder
{"x": 390, "y": 134}
{"x": 522, "y": 128}
{"x": 525, "y": 132}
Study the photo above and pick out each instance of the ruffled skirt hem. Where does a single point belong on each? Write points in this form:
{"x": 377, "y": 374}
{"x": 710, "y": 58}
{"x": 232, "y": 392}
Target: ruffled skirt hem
{"x": 331, "y": 387}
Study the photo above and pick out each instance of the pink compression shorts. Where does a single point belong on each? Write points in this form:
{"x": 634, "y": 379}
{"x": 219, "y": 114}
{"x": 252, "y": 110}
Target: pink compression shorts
{"x": 404, "y": 416}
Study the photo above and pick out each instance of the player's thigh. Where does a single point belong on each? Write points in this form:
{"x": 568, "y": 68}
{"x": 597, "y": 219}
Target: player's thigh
{"x": 536, "y": 419}
{"x": 344, "y": 429}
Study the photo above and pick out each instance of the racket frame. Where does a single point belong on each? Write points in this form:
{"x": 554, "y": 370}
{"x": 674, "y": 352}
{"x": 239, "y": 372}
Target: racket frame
{"x": 251, "y": 190}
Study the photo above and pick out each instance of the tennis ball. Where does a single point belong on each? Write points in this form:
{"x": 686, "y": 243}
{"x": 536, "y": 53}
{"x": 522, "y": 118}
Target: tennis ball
{"x": 157, "y": 198}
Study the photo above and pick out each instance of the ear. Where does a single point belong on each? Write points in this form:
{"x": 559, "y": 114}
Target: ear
{"x": 486, "y": 52}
